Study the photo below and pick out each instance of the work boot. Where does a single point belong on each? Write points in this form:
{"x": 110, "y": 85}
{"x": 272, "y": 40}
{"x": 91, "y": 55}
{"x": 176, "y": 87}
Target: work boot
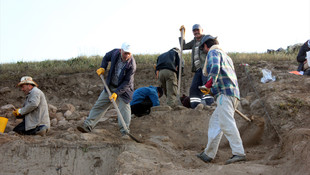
{"x": 83, "y": 128}
{"x": 43, "y": 129}
{"x": 235, "y": 158}
{"x": 204, "y": 157}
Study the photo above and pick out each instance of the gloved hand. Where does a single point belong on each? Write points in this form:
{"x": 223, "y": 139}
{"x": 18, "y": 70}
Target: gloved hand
{"x": 16, "y": 113}
{"x": 204, "y": 90}
{"x": 113, "y": 96}
{"x": 182, "y": 27}
{"x": 100, "y": 71}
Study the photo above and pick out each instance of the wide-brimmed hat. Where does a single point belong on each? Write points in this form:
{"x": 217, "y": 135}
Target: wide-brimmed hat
{"x": 26, "y": 80}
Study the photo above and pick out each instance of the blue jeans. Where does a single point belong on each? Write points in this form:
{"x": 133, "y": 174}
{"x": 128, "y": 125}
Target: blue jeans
{"x": 102, "y": 105}
{"x": 195, "y": 94}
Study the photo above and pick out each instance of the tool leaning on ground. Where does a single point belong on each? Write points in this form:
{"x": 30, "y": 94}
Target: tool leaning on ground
{"x": 206, "y": 91}
{"x": 118, "y": 112}
{"x": 180, "y": 68}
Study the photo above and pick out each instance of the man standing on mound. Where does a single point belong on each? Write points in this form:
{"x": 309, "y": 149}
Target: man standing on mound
{"x": 36, "y": 120}
{"x": 120, "y": 81}
{"x": 197, "y": 58}
{"x": 222, "y": 82}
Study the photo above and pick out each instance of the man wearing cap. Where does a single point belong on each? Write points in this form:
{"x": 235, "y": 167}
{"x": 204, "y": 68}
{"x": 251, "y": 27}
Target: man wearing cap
{"x": 120, "y": 81}
{"x": 198, "y": 58}
{"x": 223, "y": 84}
{"x": 302, "y": 58}
{"x": 34, "y": 111}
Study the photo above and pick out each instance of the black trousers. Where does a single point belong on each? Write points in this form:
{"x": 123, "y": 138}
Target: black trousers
{"x": 21, "y": 129}
{"x": 143, "y": 108}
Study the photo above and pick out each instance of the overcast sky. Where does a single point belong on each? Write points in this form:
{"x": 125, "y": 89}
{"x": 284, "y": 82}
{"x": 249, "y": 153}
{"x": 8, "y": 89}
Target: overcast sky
{"x": 35, "y": 30}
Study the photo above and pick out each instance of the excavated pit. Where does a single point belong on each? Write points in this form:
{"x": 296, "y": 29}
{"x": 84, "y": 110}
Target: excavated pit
{"x": 171, "y": 138}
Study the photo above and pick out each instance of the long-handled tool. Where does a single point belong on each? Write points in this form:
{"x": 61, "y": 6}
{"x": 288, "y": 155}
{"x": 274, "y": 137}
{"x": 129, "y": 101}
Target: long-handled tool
{"x": 180, "y": 68}
{"x": 207, "y": 91}
{"x": 242, "y": 115}
{"x": 118, "y": 112}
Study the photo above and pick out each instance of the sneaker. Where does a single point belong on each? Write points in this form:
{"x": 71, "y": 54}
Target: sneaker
{"x": 235, "y": 158}
{"x": 43, "y": 129}
{"x": 83, "y": 129}
{"x": 204, "y": 157}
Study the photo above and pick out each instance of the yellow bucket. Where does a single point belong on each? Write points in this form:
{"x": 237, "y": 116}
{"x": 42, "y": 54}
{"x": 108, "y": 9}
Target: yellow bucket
{"x": 3, "y": 122}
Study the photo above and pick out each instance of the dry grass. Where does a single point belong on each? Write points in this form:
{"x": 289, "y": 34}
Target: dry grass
{"x": 52, "y": 68}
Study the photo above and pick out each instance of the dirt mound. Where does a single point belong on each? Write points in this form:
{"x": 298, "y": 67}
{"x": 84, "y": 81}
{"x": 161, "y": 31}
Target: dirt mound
{"x": 276, "y": 141}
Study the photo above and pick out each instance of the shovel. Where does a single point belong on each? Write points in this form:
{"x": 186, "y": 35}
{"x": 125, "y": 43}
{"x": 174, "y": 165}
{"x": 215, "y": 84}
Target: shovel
{"x": 180, "y": 69}
{"x": 118, "y": 112}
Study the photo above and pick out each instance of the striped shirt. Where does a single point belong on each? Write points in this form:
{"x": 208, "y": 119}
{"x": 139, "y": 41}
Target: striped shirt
{"x": 221, "y": 69}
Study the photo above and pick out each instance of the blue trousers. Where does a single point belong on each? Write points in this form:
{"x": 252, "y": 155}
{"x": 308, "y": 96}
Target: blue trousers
{"x": 195, "y": 94}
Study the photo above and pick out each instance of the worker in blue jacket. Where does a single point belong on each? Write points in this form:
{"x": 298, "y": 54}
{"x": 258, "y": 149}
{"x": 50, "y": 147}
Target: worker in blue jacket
{"x": 120, "y": 81}
{"x": 144, "y": 98}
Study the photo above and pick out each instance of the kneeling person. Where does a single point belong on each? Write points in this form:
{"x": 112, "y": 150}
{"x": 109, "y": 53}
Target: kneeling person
{"x": 144, "y": 98}
{"x": 34, "y": 113}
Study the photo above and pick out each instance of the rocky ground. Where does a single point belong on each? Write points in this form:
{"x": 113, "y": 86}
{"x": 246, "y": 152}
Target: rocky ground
{"x": 276, "y": 141}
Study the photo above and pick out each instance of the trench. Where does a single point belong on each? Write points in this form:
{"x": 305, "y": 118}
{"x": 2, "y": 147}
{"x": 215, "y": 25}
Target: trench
{"x": 69, "y": 159}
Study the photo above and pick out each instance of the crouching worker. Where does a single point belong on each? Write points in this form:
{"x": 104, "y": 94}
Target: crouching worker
{"x": 302, "y": 58}
{"x": 144, "y": 98}
{"x": 34, "y": 112}
{"x": 120, "y": 81}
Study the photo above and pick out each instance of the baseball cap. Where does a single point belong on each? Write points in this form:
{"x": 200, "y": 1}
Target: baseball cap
{"x": 206, "y": 38}
{"x": 197, "y": 26}
{"x": 126, "y": 47}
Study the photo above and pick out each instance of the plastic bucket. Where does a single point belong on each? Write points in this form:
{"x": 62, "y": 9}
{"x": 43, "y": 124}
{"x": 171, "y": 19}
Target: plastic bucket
{"x": 3, "y": 122}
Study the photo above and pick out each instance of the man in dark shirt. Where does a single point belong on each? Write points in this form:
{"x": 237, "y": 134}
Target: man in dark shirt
{"x": 166, "y": 72}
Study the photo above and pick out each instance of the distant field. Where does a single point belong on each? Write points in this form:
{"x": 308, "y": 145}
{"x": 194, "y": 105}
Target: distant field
{"x": 51, "y": 68}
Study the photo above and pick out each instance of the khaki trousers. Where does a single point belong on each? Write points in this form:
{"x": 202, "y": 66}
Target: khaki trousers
{"x": 168, "y": 81}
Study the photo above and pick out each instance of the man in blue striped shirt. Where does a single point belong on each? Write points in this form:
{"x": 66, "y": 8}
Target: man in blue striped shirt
{"x": 222, "y": 83}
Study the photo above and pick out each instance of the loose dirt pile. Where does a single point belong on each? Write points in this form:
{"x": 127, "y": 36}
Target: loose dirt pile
{"x": 276, "y": 142}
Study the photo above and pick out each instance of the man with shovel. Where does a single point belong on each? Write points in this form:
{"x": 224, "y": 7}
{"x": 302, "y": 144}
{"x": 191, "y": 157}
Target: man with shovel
{"x": 198, "y": 58}
{"x": 36, "y": 120}
{"x": 120, "y": 81}
{"x": 223, "y": 84}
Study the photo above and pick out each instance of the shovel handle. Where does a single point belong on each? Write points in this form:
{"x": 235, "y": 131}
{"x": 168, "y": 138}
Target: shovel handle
{"x": 118, "y": 112}
{"x": 242, "y": 115}
{"x": 180, "y": 64}
{"x": 115, "y": 105}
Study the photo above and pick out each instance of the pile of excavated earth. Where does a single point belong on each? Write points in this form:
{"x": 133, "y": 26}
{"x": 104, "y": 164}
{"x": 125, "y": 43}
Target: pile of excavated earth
{"x": 277, "y": 141}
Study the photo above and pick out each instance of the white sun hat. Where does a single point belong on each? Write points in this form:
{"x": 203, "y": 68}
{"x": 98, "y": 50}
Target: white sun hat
{"x": 27, "y": 80}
